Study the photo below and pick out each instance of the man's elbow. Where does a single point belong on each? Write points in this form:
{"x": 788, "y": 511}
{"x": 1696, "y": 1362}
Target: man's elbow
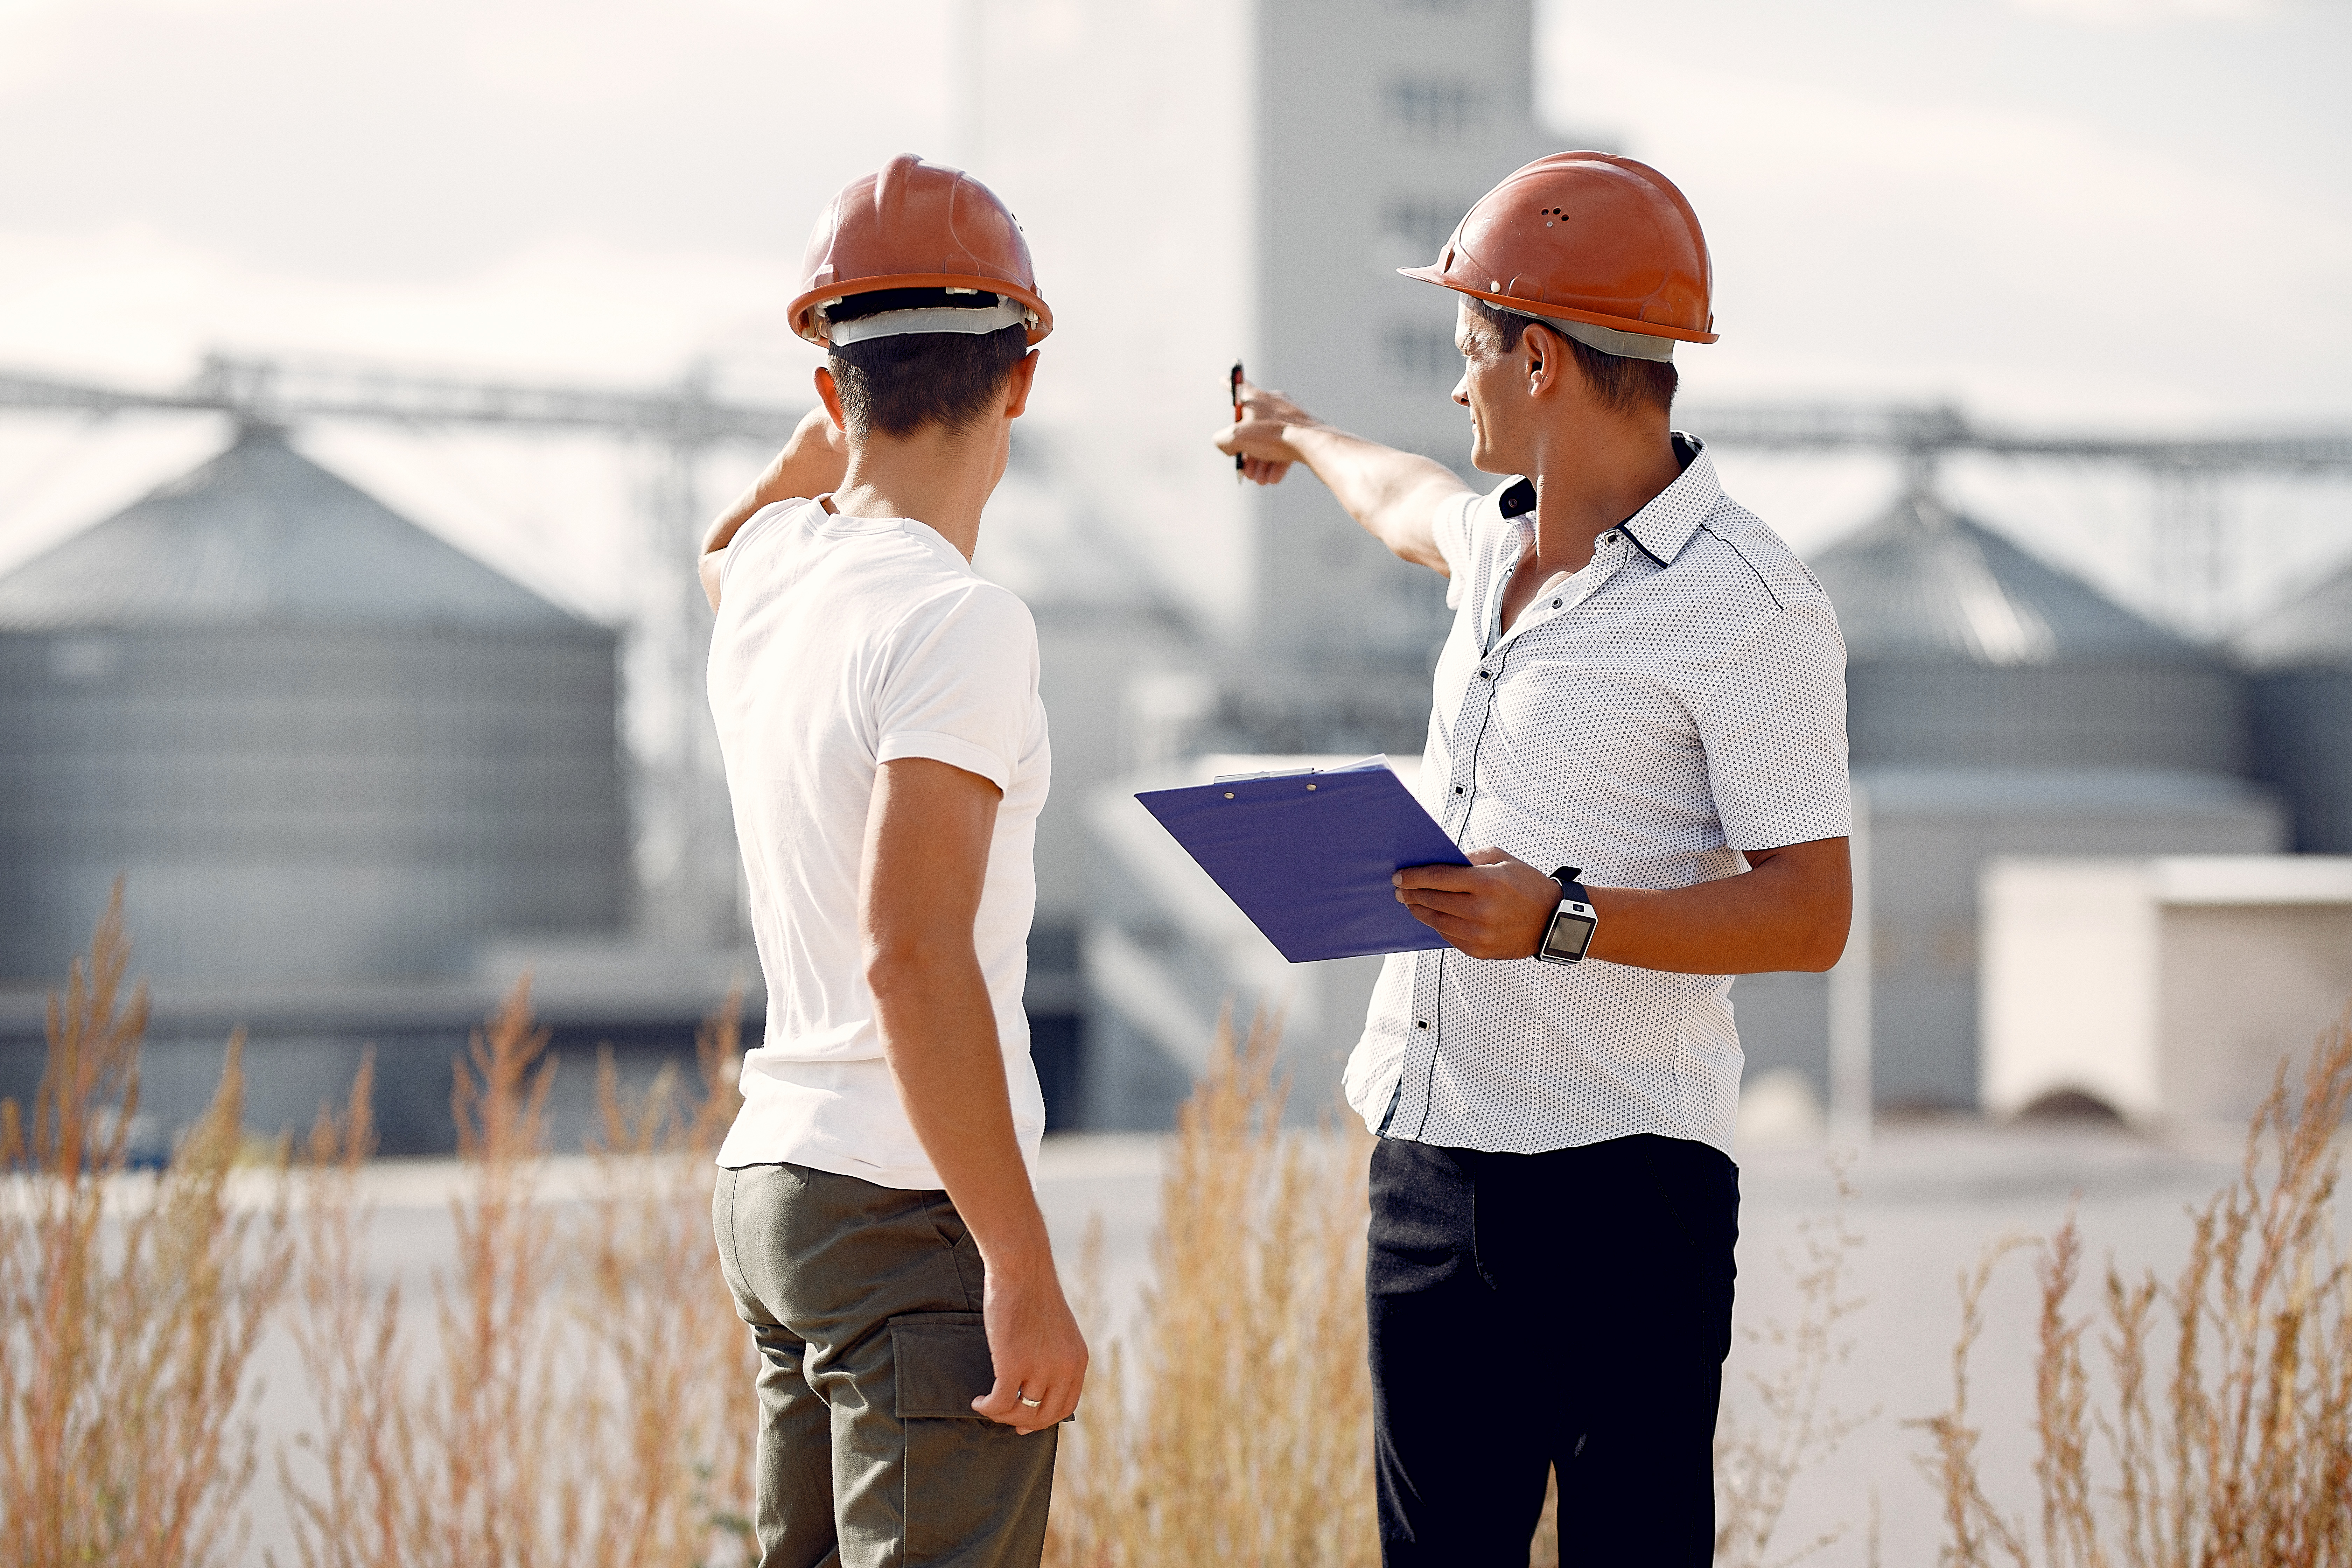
{"x": 1823, "y": 942}
{"x": 892, "y": 966}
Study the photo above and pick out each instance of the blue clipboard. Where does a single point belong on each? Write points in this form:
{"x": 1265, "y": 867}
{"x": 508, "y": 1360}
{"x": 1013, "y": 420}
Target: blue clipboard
{"x": 1308, "y": 856}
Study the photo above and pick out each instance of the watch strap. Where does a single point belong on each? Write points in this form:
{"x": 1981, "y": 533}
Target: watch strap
{"x": 1569, "y": 887}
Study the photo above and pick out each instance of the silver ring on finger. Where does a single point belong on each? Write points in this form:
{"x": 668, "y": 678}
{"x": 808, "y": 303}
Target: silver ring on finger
{"x": 1032, "y": 1404}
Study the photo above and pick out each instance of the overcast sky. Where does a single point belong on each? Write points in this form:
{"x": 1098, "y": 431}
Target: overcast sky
{"x": 2127, "y": 212}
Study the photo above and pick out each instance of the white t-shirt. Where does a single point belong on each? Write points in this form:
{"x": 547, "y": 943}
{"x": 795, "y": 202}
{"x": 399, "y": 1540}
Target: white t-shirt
{"x": 844, "y": 642}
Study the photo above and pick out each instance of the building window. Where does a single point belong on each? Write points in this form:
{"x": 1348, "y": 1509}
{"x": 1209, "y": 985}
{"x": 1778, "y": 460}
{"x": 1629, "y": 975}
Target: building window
{"x": 1418, "y": 358}
{"x": 1434, "y": 110}
{"x": 1418, "y": 227}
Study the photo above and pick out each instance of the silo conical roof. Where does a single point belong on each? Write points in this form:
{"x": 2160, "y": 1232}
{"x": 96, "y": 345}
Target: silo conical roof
{"x": 1924, "y": 585}
{"x": 1963, "y": 651}
{"x": 2312, "y": 630}
{"x": 262, "y": 536}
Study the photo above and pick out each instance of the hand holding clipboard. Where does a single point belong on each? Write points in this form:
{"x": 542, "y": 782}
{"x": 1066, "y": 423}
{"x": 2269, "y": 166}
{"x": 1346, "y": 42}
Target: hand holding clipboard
{"x": 1309, "y": 855}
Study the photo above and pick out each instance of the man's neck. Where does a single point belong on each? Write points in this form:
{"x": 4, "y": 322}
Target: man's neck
{"x": 939, "y": 480}
{"x": 1589, "y": 479}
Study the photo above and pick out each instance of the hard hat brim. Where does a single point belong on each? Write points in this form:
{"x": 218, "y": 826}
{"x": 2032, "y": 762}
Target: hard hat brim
{"x": 801, "y": 313}
{"x": 1537, "y": 307}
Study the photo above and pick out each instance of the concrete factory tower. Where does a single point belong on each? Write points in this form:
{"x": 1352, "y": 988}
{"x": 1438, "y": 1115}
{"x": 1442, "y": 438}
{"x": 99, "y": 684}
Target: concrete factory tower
{"x": 1240, "y": 178}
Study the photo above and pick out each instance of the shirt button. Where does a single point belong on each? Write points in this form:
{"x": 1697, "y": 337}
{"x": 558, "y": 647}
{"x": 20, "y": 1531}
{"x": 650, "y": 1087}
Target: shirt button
{"x": 1483, "y": 675}
{"x": 1555, "y": 603}
{"x": 1457, "y": 789}
{"x": 1421, "y": 1022}
{"x": 1608, "y": 538}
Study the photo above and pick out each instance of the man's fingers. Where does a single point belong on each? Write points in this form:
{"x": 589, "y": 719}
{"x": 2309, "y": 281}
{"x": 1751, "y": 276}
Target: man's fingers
{"x": 1451, "y": 878}
{"x": 1002, "y": 1404}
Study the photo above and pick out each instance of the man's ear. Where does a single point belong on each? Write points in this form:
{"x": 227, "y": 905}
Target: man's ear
{"x": 829, "y": 394}
{"x": 1543, "y": 357}
{"x": 1017, "y": 384}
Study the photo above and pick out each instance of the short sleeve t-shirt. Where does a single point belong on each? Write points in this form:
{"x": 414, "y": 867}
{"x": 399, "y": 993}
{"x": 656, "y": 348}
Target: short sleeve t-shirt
{"x": 844, "y": 642}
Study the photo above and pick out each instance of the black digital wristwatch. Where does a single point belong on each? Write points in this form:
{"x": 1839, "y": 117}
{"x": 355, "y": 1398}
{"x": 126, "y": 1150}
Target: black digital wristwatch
{"x": 1569, "y": 931}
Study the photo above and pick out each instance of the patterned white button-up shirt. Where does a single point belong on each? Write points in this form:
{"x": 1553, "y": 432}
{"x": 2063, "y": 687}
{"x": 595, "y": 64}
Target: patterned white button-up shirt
{"x": 1680, "y": 700}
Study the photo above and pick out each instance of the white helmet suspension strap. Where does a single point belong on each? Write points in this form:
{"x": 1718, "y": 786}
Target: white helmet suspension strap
{"x": 1608, "y": 339}
{"x": 973, "y": 319}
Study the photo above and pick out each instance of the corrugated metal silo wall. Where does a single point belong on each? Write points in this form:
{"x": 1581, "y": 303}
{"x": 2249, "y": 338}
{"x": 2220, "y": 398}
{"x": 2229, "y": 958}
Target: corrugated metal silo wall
{"x": 305, "y": 805}
{"x": 2303, "y": 744}
{"x": 2136, "y": 715}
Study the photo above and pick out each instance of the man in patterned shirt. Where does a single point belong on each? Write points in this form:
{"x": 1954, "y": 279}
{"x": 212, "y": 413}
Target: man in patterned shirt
{"x": 1641, "y": 682}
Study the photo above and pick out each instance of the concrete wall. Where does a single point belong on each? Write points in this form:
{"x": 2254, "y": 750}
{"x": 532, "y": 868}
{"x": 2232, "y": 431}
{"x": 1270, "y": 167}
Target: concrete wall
{"x": 2168, "y": 989}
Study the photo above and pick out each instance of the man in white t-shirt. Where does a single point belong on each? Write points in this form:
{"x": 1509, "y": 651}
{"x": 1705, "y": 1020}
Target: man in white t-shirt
{"x": 876, "y": 705}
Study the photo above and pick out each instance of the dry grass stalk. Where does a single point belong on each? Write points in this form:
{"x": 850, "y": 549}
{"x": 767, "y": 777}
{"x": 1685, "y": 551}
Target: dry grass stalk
{"x": 1757, "y": 1465}
{"x": 129, "y": 1309}
{"x": 673, "y": 1482}
{"x": 490, "y": 1460}
{"x": 2245, "y": 1457}
{"x": 486, "y": 1424}
{"x": 452, "y": 1471}
{"x": 357, "y": 1513}
{"x": 1249, "y": 1441}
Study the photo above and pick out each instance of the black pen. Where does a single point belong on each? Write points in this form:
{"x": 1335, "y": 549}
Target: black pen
{"x": 1236, "y": 390}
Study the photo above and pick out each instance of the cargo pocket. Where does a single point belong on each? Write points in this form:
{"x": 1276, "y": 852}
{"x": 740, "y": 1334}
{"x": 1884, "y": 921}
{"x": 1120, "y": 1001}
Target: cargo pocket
{"x": 942, "y": 1365}
{"x": 975, "y": 1492}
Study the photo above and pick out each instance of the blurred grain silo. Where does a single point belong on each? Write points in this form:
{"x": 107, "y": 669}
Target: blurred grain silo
{"x": 2299, "y": 659}
{"x": 323, "y": 746}
{"x": 1997, "y": 706}
{"x": 1965, "y": 651}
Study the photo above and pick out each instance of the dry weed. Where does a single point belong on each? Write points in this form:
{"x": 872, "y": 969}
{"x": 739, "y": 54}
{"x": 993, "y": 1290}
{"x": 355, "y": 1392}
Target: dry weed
{"x": 2244, "y": 1456}
{"x": 453, "y": 1471}
{"x": 1756, "y": 1465}
{"x": 491, "y": 1459}
{"x": 663, "y": 1425}
{"x": 1246, "y": 1438}
{"x": 356, "y": 1512}
{"x": 130, "y": 1307}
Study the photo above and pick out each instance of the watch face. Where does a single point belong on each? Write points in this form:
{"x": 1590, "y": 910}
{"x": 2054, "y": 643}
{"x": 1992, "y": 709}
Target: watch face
{"x": 1570, "y": 934}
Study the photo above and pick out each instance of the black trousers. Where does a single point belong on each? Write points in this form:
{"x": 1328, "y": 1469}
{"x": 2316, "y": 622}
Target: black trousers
{"x": 1567, "y": 1310}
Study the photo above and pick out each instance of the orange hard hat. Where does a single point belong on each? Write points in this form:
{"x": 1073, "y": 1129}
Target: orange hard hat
{"x": 918, "y": 225}
{"x": 1587, "y": 239}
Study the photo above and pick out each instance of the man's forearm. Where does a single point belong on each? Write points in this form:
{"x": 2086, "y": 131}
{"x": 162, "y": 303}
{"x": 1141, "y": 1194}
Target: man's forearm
{"x": 1789, "y": 911}
{"x": 811, "y": 462}
{"x": 1393, "y": 495}
{"x": 939, "y": 1034}
{"x": 1762, "y": 921}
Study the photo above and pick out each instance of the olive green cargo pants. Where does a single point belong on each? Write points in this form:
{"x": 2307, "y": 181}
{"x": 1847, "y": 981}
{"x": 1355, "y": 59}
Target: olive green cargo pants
{"x": 865, "y": 1304}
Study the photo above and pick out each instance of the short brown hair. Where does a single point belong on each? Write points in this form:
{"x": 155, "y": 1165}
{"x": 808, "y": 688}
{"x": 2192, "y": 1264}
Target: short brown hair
{"x": 1620, "y": 384}
{"x": 898, "y": 385}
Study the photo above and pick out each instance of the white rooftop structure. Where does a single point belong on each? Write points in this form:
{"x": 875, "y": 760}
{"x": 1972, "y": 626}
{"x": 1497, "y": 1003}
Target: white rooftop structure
{"x": 2167, "y": 988}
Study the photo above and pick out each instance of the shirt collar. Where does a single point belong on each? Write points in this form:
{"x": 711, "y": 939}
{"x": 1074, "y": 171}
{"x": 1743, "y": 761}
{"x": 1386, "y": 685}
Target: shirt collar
{"x": 1664, "y": 526}
{"x": 1660, "y": 529}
